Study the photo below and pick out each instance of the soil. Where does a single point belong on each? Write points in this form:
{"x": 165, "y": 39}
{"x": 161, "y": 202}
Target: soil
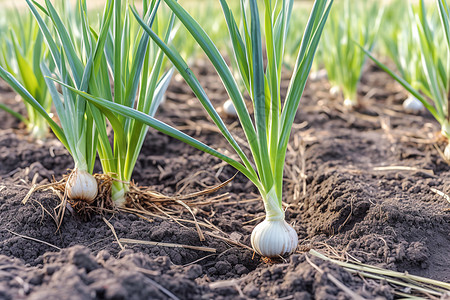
{"x": 371, "y": 178}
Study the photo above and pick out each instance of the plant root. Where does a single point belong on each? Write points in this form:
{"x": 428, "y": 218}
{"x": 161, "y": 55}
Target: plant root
{"x": 143, "y": 199}
{"x": 142, "y": 202}
{"x": 140, "y": 199}
{"x": 101, "y": 204}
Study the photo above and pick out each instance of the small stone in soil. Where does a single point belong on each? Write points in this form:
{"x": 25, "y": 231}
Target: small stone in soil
{"x": 194, "y": 271}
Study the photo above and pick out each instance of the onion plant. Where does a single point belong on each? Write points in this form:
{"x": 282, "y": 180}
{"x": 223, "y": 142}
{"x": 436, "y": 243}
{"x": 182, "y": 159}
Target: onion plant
{"x": 402, "y": 48}
{"x": 119, "y": 55}
{"x": 267, "y": 133}
{"x": 21, "y": 53}
{"x": 77, "y": 130}
{"x": 344, "y": 61}
{"x": 137, "y": 79}
{"x": 139, "y": 82}
{"x": 434, "y": 44}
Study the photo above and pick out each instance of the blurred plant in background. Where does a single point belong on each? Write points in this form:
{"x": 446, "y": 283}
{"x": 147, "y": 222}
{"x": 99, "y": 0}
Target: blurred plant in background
{"x": 21, "y": 51}
{"x": 401, "y": 47}
{"x": 351, "y": 23}
{"x": 431, "y": 35}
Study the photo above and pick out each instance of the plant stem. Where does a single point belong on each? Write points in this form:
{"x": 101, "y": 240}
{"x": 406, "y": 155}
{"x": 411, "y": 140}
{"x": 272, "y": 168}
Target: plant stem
{"x": 118, "y": 192}
{"x": 274, "y": 210}
{"x": 38, "y": 128}
{"x": 445, "y": 125}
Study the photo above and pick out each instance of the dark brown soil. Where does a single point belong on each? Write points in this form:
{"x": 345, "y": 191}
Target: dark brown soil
{"x": 360, "y": 201}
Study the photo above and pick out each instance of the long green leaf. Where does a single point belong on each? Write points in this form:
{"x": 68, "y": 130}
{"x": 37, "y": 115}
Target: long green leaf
{"x": 112, "y": 107}
{"x": 405, "y": 84}
{"x": 238, "y": 44}
{"x": 259, "y": 98}
{"x": 14, "y": 113}
{"x": 311, "y": 39}
{"x": 192, "y": 81}
{"x": 74, "y": 61}
{"x": 222, "y": 69}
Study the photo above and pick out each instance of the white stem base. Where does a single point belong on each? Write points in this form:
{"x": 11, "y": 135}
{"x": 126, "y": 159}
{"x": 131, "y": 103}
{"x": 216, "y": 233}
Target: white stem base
{"x": 38, "y": 132}
{"x": 447, "y": 152}
{"x": 118, "y": 197}
{"x": 118, "y": 193}
{"x": 445, "y": 130}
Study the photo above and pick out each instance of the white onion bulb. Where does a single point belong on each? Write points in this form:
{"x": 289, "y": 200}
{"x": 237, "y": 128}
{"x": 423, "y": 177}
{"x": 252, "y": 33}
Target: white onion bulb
{"x": 335, "y": 90}
{"x": 349, "y": 103}
{"x": 445, "y": 130}
{"x": 81, "y": 186}
{"x": 412, "y": 105}
{"x": 229, "y": 108}
{"x": 274, "y": 238}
